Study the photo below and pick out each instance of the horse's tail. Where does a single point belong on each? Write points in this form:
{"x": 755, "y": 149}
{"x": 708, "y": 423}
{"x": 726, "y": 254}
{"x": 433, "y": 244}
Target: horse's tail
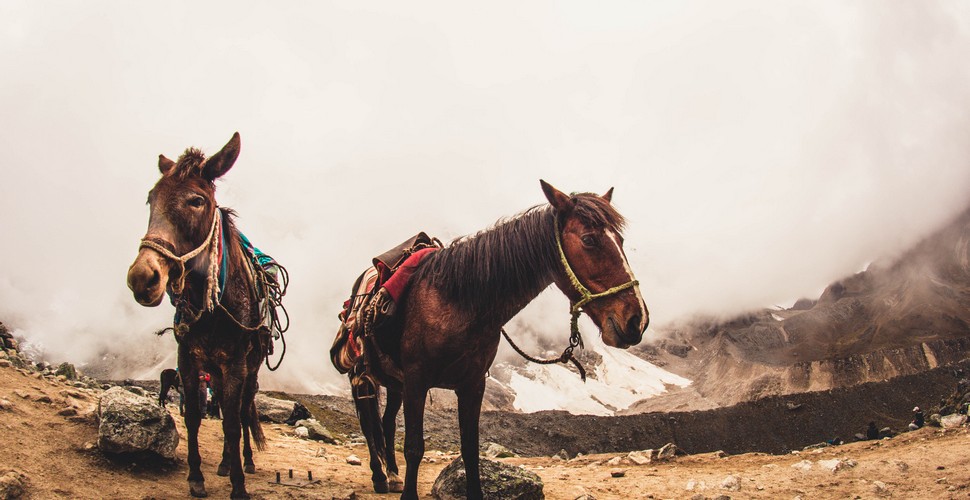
{"x": 255, "y": 429}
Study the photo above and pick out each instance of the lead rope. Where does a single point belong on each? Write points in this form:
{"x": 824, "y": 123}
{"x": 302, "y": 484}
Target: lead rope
{"x": 586, "y": 296}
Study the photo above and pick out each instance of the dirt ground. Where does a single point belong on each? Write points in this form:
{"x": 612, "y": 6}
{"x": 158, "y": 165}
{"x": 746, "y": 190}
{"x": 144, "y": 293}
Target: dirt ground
{"x": 56, "y": 454}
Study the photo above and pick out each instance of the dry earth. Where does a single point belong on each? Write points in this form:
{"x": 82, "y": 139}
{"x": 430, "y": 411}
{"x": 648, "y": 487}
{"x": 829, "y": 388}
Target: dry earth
{"x": 55, "y": 453}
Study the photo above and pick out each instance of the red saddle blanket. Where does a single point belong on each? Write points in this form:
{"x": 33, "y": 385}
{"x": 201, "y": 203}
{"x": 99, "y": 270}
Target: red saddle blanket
{"x": 398, "y": 283}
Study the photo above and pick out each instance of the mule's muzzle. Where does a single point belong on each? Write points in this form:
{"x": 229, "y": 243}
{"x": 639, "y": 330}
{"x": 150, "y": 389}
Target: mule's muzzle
{"x": 147, "y": 280}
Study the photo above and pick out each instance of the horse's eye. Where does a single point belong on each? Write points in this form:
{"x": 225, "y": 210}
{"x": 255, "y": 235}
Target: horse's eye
{"x": 589, "y": 240}
{"x": 196, "y": 201}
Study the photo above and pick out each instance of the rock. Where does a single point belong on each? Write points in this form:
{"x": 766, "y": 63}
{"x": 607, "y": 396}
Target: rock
{"x": 836, "y": 464}
{"x": 804, "y": 465}
{"x": 880, "y": 488}
{"x": 353, "y": 460}
{"x": 13, "y": 484}
{"x": 5, "y": 364}
{"x": 67, "y": 412}
{"x": 731, "y": 483}
{"x": 67, "y": 370}
{"x": 617, "y": 472}
{"x": 953, "y": 421}
{"x": 22, "y": 394}
{"x": 345, "y": 495}
{"x": 273, "y": 410}
{"x": 667, "y": 451}
{"x": 316, "y": 431}
{"x": 934, "y": 420}
{"x": 639, "y": 457}
{"x": 132, "y": 424}
{"x": 495, "y": 450}
{"x": 499, "y": 481}
{"x": 134, "y": 389}
{"x": 6, "y": 405}
{"x": 562, "y": 455}
{"x": 302, "y": 432}
{"x": 44, "y": 398}
{"x": 614, "y": 461}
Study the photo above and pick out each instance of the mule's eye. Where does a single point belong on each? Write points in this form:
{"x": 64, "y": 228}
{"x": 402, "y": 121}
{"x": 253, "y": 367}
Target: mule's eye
{"x": 196, "y": 201}
{"x": 589, "y": 240}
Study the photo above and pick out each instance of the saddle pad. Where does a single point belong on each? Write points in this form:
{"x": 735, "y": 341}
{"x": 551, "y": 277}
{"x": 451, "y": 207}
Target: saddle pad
{"x": 397, "y": 284}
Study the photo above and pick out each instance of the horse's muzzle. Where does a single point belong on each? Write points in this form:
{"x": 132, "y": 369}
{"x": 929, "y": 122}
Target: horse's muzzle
{"x": 147, "y": 280}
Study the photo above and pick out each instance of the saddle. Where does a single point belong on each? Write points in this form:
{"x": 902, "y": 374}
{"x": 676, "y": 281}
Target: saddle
{"x": 357, "y": 347}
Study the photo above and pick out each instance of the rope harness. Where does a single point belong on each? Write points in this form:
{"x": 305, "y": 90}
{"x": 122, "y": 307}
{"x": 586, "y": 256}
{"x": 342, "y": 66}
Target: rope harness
{"x": 269, "y": 289}
{"x": 586, "y": 296}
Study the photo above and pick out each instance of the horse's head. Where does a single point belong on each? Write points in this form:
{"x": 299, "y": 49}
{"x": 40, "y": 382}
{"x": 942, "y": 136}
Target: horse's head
{"x": 595, "y": 274}
{"x": 181, "y": 221}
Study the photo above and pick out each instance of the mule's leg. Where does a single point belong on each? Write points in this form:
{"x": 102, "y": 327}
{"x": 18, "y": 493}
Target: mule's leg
{"x": 250, "y": 420}
{"x": 162, "y": 389}
{"x": 368, "y": 413}
{"x": 414, "y": 399}
{"x": 193, "y": 418}
{"x": 389, "y": 422}
{"x": 232, "y": 388}
{"x": 469, "y": 411}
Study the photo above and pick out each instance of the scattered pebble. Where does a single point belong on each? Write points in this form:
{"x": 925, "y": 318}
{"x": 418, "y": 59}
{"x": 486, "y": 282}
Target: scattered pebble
{"x": 617, "y": 472}
{"x": 353, "y": 460}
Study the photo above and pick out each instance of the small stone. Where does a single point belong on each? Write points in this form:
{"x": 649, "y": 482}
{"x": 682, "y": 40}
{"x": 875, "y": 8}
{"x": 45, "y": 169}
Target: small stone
{"x": 617, "y": 472}
{"x": 5, "y": 364}
{"x": 345, "y": 495}
{"x": 67, "y": 412}
{"x": 13, "y": 484}
{"x": 22, "y": 394}
{"x": 353, "y": 460}
{"x": 614, "y": 461}
{"x": 89, "y": 446}
{"x": 44, "y": 398}
{"x": 731, "y": 483}
{"x": 880, "y": 488}
{"x": 302, "y": 432}
{"x": 6, "y": 405}
{"x": 804, "y": 465}
{"x": 639, "y": 457}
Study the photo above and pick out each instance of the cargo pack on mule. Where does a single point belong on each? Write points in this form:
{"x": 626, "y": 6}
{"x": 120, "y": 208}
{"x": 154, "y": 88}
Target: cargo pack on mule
{"x": 365, "y": 345}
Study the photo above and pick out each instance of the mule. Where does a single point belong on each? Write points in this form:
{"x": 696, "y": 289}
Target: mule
{"x": 169, "y": 379}
{"x": 451, "y": 318}
{"x": 190, "y": 240}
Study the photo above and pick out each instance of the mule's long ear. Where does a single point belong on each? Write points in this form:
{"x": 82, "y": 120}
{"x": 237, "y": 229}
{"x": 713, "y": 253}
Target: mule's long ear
{"x": 559, "y": 200}
{"x": 220, "y": 163}
{"x": 609, "y": 195}
{"x": 165, "y": 165}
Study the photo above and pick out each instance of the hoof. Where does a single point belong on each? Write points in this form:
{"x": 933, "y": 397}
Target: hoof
{"x": 249, "y": 468}
{"x": 380, "y": 487}
{"x": 395, "y": 483}
{"x": 223, "y": 470}
{"x": 197, "y": 489}
{"x": 240, "y": 496}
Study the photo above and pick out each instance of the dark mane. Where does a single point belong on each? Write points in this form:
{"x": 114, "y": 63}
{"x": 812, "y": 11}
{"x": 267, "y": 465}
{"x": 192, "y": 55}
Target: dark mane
{"x": 190, "y": 161}
{"x": 513, "y": 260}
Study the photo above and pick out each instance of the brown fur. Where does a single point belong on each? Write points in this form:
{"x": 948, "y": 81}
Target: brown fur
{"x": 182, "y": 206}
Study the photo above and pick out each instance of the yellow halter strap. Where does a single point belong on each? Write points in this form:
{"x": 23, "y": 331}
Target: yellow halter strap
{"x": 586, "y": 296}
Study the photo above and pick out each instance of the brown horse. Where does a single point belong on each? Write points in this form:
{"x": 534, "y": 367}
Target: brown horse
{"x": 451, "y": 319}
{"x": 189, "y": 239}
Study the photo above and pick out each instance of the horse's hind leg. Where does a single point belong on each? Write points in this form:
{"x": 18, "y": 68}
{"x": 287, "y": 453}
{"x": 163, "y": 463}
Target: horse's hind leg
{"x": 469, "y": 413}
{"x": 368, "y": 413}
{"x": 250, "y": 420}
{"x": 389, "y": 422}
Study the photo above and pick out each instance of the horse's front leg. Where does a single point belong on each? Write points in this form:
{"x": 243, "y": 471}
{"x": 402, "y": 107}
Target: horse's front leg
{"x": 189, "y": 371}
{"x": 414, "y": 399}
{"x": 368, "y": 414}
{"x": 389, "y": 422}
{"x": 469, "y": 412}
{"x": 232, "y": 388}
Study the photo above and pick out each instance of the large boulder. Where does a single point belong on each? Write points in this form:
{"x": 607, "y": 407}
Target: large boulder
{"x": 499, "y": 482}
{"x": 316, "y": 430}
{"x": 135, "y": 424}
{"x": 273, "y": 410}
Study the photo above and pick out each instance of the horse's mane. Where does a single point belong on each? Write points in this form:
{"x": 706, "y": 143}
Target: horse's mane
{"x": 512, "y": 261}
{"x": 190, "y": 161}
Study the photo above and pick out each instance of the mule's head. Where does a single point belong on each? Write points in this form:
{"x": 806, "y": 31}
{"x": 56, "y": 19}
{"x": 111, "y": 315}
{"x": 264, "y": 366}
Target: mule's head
{"x": 182, "y": 206}
{"x": 592, "y": 246}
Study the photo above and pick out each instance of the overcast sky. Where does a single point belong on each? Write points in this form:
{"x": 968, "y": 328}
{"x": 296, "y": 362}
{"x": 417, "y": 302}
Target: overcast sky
{"x": 759, "y": 149}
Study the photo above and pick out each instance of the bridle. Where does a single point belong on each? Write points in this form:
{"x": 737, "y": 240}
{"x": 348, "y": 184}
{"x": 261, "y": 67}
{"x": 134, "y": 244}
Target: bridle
{"x": 178, "y": 286}
{"x": 585, "y": 297}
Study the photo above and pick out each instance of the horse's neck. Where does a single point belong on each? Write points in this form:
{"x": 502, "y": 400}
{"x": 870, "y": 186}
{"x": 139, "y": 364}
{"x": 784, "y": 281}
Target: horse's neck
{"x": 237, "y": 286}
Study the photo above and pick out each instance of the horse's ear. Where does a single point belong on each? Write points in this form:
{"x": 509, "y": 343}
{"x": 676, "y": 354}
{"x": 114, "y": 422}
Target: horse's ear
{"x": 220, "y": 163}
{"x": 609, "y": 195}
{"x": 165, "y": 165}
{"x": 559, "y": 200}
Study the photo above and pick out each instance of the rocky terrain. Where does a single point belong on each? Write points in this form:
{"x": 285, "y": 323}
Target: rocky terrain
{"x": 894, "y": 319}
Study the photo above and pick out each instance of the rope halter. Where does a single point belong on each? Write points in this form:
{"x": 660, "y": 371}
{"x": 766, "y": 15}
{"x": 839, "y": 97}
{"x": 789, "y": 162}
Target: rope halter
{"x": 210, "y": 242}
